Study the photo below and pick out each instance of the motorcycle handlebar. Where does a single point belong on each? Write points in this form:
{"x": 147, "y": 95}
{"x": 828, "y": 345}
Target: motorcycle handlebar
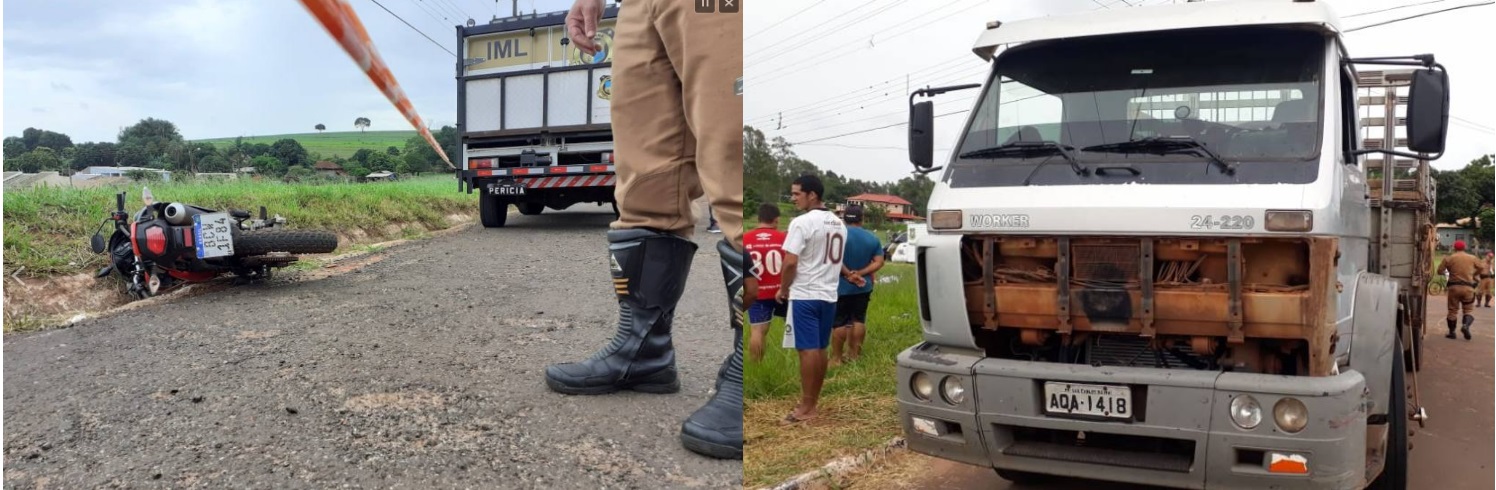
{"x": 119, "y": 202}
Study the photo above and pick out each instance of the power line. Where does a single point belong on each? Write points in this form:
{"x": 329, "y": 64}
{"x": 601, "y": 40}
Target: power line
{"x": 789, "y": 69}
{"x": 1391, "y": 9}
{"x": 873, "y": 129}
{"x": 407, "y": 24}
{"x": 872, "y": 100}
{"x": 423, "y": 8}
{"x": 781, "y": 21}
{"x": 765, "y": 53}
{"x": 1393, "y": 21}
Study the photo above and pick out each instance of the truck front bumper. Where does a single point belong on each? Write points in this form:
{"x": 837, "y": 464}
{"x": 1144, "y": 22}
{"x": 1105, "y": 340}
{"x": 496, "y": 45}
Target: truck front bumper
{"x": 1181, "y": 433}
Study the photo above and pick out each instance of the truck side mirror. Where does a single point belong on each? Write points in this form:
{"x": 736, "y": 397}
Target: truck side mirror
{"x": 922, "y": 134}
{"x": 1428, "y": 111}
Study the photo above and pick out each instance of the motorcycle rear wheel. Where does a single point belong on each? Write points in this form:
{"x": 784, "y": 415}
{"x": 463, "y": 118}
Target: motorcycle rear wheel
{"x": 261, "y": 242}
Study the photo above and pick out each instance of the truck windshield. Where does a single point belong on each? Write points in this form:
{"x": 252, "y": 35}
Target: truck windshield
{"x": 1208, "y": 106}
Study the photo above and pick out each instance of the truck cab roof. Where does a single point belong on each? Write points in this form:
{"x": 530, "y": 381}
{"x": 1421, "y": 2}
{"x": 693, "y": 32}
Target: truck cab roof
{"x": 1192, "y": 15}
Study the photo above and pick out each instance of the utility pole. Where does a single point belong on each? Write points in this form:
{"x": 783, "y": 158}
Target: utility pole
{"x": 781, "y": 121}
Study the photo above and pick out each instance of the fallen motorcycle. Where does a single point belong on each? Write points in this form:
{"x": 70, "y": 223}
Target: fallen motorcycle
{"x": 172, "y": 243}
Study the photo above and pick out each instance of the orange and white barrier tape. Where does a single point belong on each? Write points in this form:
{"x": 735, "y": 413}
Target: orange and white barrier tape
{"x": 343, "y": 24}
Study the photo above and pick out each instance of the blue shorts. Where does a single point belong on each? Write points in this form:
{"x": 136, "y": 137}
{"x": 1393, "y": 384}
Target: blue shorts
{"x": 812, "y": 321}
{"x": 764, "y": 310}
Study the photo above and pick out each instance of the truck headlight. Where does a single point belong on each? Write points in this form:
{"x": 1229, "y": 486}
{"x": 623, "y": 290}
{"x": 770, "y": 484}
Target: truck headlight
{"x": 1291, "y": 415}
{"x": 1246, "y": 412}
{"x": 922, "y": 386}
{"x": 951, "y": 389}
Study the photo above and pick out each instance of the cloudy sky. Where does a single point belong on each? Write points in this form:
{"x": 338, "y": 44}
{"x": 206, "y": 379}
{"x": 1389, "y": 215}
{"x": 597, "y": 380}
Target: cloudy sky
{"x": 220, "y": 68}
{"x": 840, "y": 66}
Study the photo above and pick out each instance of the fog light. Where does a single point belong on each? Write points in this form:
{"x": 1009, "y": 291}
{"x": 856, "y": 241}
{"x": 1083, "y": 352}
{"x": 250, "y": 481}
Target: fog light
{"x": 922, "y": 386}
{"x": 1291, "y": 415}
{"x": 1246, "y": 412}
{"x": 1292, "y": 220}
{"x": 945, "y": 220}
{"x": 951, "y": 389}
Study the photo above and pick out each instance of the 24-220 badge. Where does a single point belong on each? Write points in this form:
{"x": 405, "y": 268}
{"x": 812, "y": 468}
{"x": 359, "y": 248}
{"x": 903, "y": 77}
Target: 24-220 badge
{"x": 1222, "y": 222}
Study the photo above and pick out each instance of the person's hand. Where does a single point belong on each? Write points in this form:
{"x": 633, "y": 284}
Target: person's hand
{"x": 858, "y": 280}
{"x": 783, "y": 294}
{"x": 581, "y": 24}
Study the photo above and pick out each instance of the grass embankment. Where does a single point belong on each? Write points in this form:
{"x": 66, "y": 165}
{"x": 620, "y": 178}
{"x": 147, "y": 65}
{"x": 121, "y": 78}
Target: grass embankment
{"x": 857, "y": 408}
{"x": 47, "y": 229}
{"x": 342, "y": 144}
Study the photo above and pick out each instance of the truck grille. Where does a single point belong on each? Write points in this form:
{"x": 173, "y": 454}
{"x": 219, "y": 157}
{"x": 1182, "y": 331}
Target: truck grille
{"x": 1133, "y": 351}
{"x": 1109, "y": 263}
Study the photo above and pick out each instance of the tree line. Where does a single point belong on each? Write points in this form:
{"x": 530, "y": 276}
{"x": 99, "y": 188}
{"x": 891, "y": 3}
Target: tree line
{"x": 1468, "y": 193}
{"x": 157, "y": 144}
{"x": 769, "y": 166}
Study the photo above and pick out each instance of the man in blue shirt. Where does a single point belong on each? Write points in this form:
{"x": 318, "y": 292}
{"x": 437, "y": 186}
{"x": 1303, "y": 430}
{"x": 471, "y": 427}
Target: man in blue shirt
{"x": 863, "y": 257}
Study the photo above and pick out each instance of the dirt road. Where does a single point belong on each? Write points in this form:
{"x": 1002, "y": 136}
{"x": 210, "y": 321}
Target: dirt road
{"x": 1454, "y": 452}
{"x": 421, "y": 370}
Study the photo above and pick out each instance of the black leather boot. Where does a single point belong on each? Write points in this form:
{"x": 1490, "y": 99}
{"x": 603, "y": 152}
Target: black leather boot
{"x": 1465, "y": 328}
{"x": 716, "y": 429}
{"x": 649, "y": 275}
{"x": 1451, "y": 329}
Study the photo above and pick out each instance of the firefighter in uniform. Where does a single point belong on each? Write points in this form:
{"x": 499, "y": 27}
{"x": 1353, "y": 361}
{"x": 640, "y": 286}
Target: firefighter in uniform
{"x": 1462, "y": 268}
{"x": 677, "y": 125}
{"x": 1484, "y": 291}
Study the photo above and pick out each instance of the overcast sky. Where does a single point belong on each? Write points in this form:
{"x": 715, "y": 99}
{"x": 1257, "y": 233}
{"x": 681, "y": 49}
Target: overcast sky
{"x": 221, "y": 68}
{"x": 839, "y": 66}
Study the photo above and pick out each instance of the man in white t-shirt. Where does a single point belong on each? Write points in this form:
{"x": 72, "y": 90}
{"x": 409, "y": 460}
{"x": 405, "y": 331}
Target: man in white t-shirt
{"x": 812, "y": 266}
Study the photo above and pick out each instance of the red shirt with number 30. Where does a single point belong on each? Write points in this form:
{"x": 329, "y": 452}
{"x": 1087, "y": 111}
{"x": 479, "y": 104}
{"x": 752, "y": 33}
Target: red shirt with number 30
{"x": 764, "y": 247}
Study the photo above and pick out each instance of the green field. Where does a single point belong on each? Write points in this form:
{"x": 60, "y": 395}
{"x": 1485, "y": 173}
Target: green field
{"x": 857, "y": 407}
{"x": 331, "y": 144}
{"x": 47, "y": 229}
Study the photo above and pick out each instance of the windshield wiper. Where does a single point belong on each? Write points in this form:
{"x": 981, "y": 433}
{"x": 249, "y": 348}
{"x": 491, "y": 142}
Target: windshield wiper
{"x": 1030, "y": 148}
{"x": 1166, "y": 145}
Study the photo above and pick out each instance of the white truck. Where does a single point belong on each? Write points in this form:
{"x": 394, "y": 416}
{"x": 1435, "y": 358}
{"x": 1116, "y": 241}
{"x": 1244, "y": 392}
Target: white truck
{"x": 533, "y": 115}
{"x": 1158, "y": 255}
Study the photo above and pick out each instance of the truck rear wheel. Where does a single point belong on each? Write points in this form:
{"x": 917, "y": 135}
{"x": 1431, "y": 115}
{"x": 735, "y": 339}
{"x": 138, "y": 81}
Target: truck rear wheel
{"x": 1395, "y": 465}
{"x": 530, "y": 208}
{"x": 1023, "y": 477}
{"x": 493, "y": 211}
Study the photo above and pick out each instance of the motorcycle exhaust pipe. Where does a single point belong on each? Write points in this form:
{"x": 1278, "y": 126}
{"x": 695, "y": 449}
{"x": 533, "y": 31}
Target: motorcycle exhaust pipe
{"x": 176, "y": 214}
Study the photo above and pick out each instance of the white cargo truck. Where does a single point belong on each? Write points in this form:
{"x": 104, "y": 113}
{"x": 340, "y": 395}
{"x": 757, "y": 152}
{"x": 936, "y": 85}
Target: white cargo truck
{"x": 1159, "y": 255}
{"x": 533, "y": 115}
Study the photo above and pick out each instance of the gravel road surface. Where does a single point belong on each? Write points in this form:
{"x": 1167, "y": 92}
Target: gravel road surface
{"x": 423, "y": 369}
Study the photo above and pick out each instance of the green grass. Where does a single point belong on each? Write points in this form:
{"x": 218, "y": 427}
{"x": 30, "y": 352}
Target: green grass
{"x": 47, "y": 229}
{"x": 857, "y": 405}
{"x": 331, "y": 144}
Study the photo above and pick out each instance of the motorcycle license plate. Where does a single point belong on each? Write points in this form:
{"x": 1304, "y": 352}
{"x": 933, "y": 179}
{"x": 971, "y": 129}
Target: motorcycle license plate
{"x": 1071, "y": 399}
{"x": 507, "y": 188}
{"x": 213, "y": 235}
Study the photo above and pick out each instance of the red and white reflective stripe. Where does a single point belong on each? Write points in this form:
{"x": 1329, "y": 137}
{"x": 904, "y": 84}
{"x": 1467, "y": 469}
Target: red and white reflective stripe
{"x": 481, "y": 171}
{"x": 568, "y": 181}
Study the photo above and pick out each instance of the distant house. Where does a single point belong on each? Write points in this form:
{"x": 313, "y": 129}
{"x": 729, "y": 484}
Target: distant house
{"x": 895, "y": 207}
{"x": 122, "y": 171}
{"x": 328, "y": 168}
{"x": 1463, "y": 229}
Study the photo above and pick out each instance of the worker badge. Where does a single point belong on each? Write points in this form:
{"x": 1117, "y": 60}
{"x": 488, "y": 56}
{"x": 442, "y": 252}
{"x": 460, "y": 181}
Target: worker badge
{"x": 605, "y": 87}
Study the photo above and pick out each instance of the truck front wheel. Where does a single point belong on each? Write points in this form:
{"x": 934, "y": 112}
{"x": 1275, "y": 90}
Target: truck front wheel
{"x": 493, "y": 211}
{"x": 1395, "y": 464}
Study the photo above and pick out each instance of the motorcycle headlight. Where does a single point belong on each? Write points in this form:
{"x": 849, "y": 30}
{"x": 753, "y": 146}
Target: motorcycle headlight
{"x": 951, "y": 389}
{"x": 1246, "y": 412}
{"x": 922, "y": 386}
{"x": 1291, "y": 415}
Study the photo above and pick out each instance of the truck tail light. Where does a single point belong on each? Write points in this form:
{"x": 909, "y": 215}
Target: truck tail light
{"x": 608, "y": 157}
{"x": 485, "y": 163}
